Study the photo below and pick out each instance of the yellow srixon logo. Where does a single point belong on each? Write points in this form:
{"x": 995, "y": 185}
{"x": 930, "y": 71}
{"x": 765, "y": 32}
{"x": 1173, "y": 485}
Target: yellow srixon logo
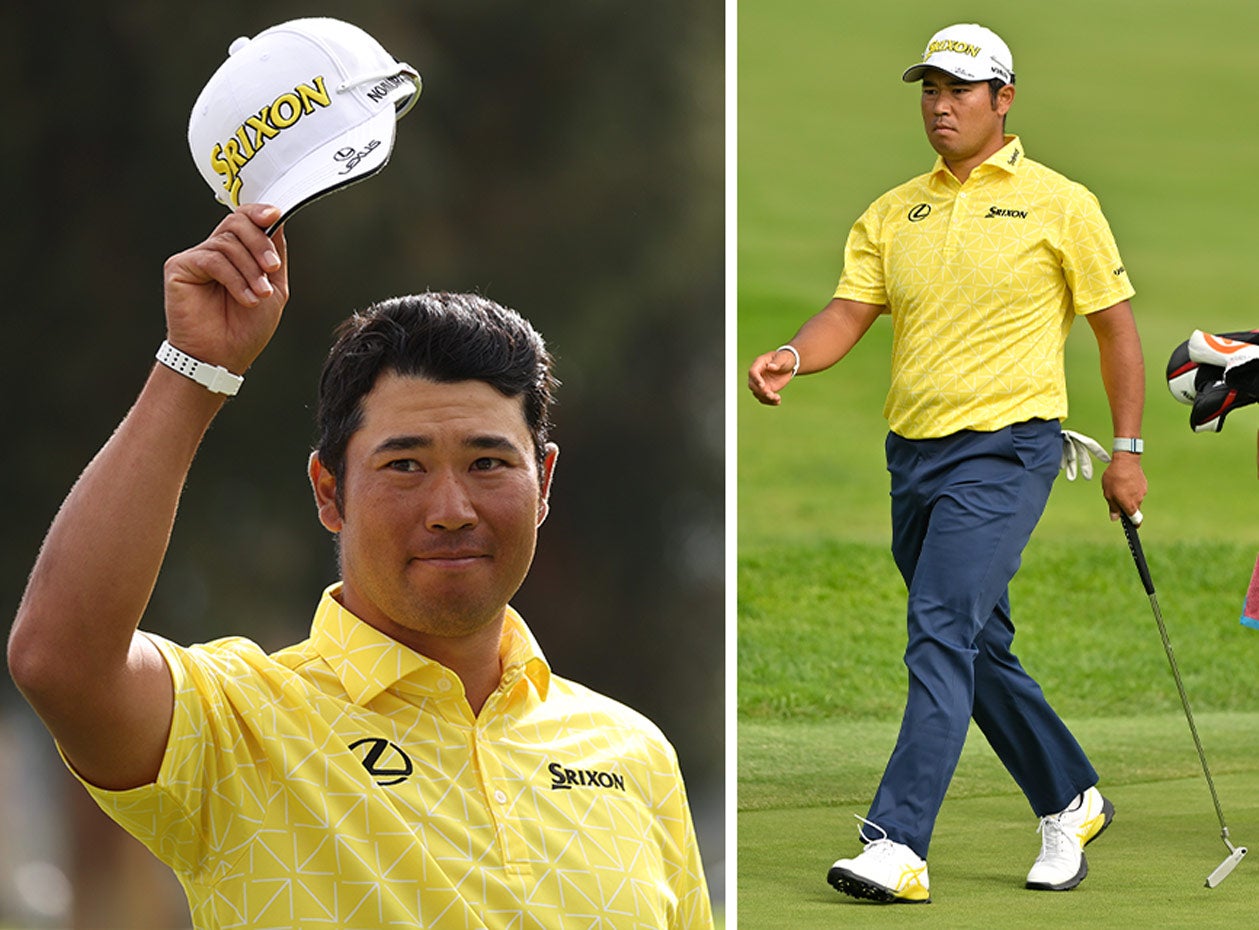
{"x": 228, "y": 158}
{"x": 952, "y": 45}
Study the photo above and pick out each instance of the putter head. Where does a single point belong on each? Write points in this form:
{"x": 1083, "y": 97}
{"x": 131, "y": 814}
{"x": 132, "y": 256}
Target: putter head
{"x": 1225, "y": 868}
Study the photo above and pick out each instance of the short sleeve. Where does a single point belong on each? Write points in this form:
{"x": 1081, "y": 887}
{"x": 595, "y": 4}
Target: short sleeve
{"x": 1094, "y": 272}
{"x": 209, "y": 784}
{"x": 862, "y": 278}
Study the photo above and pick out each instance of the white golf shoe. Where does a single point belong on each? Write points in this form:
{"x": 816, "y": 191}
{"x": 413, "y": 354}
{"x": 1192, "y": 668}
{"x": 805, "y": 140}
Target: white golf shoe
{"x": 1061, "y": 864}
{"x": 885, "y": 871}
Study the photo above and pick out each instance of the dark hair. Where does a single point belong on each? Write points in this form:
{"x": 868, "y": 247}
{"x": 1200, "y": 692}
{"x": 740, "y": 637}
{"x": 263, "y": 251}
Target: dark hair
{"x": 442, "y": 337}
{"x": 995, "y": 85}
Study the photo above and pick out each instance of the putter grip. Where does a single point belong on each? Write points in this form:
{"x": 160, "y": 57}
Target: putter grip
{"x": 1138, "y": 555}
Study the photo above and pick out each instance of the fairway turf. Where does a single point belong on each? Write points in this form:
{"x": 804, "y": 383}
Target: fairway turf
{"x": 825, "y": 126}
{"x": 1147, "y": 870}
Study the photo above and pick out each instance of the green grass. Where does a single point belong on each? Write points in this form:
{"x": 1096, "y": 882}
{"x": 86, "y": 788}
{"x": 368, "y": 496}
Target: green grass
{"x": 824, "y": 127}
{"x": 1148, "y": 869}
{"x": 837, "y": 763}
{"x": 820, "y": 691}
{"x": 822, "y": 629}
{"x": 800, "y": 783}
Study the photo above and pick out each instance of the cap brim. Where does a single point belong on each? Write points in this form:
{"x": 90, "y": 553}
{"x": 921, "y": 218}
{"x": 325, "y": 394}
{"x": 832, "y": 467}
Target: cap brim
{"x": 961, "y": 67}
{"x": 916, "y": 72}
{"x": 351, "y": 157}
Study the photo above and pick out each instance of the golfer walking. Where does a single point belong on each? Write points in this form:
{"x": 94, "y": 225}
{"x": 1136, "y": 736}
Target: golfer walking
{"x": 982, "y": 264}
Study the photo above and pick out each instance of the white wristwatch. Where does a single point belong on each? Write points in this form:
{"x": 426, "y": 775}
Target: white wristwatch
{"x": 1126, "y": 444}
{"x": 214, "y": 378}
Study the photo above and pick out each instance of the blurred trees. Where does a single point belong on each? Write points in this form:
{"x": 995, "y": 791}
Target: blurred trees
{"x": 566, "y": 159}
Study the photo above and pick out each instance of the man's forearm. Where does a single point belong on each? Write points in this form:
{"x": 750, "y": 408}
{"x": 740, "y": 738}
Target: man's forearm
{"x": 105, "y": 693}
{"x": 1123, "y": 377}
{"x": 830, "y": 334}
{"x": 1122, "y": 367}
{"x": 101, "y": 557}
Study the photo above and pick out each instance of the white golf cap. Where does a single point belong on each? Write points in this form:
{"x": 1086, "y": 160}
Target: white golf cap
{"x": 968, "y": 51}
{"x": 300, "y": 110}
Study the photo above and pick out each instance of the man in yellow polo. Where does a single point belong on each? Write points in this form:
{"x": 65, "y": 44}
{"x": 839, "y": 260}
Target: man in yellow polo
{"x": 414, "y": 763}
{"x": 982, "y": 264}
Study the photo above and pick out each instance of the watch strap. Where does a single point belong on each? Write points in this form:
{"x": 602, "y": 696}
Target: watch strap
{"x": 795, "y": 352}
{"x": 1128, "y": 444}
{"x": 213, "y": 378}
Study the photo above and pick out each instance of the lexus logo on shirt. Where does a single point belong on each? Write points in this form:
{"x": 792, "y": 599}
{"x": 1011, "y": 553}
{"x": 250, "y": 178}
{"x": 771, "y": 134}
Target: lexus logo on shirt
{"x": 919, "y": 212}
{"x": 384, "y": 761}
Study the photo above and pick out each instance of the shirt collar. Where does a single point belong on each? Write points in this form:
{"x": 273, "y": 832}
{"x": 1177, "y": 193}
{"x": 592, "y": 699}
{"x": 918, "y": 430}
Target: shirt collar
{"x": 1009, "y": 158}
{"x": 368, "y": 662}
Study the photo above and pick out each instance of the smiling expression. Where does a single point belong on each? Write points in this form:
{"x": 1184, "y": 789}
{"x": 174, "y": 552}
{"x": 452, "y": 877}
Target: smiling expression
{"x": 442, "y": 503}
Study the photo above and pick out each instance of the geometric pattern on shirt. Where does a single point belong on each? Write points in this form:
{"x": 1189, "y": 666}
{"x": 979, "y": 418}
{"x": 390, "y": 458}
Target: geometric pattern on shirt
{"x": 983, "y": 281}
{"x": 270, "y": 819}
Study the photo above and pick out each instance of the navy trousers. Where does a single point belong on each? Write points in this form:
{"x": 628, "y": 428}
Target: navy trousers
{"x": 963, "y": 509}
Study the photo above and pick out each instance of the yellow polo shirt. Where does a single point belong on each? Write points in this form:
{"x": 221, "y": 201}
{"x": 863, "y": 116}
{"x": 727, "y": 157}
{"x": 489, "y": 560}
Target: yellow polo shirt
{"x": 982, "y": 281}
{"x": 344, "y": 783}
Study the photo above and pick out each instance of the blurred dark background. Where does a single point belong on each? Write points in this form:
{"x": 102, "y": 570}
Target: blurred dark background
{"x": 566, "y": 159}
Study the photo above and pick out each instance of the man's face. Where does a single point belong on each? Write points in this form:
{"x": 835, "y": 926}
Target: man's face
{"x": 961, "y": 120}
{"x": 442, "y": 503}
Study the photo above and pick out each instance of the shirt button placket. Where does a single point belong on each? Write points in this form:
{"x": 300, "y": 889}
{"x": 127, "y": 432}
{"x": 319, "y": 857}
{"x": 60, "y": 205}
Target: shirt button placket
{"x": 494, "y": 780}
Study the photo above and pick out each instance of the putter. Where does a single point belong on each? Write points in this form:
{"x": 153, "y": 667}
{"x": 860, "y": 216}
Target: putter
{"x": 1235, "y": 853}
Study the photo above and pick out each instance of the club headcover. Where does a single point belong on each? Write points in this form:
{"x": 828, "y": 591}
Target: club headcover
{"x": 1213, "y": 403}
{"x": 1242, "y": 370}
{"x": 1200, "y": 360}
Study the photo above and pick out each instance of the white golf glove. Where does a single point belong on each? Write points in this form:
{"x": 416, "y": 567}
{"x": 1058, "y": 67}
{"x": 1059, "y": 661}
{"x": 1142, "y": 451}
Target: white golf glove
{"x": 1076, "y": 448}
